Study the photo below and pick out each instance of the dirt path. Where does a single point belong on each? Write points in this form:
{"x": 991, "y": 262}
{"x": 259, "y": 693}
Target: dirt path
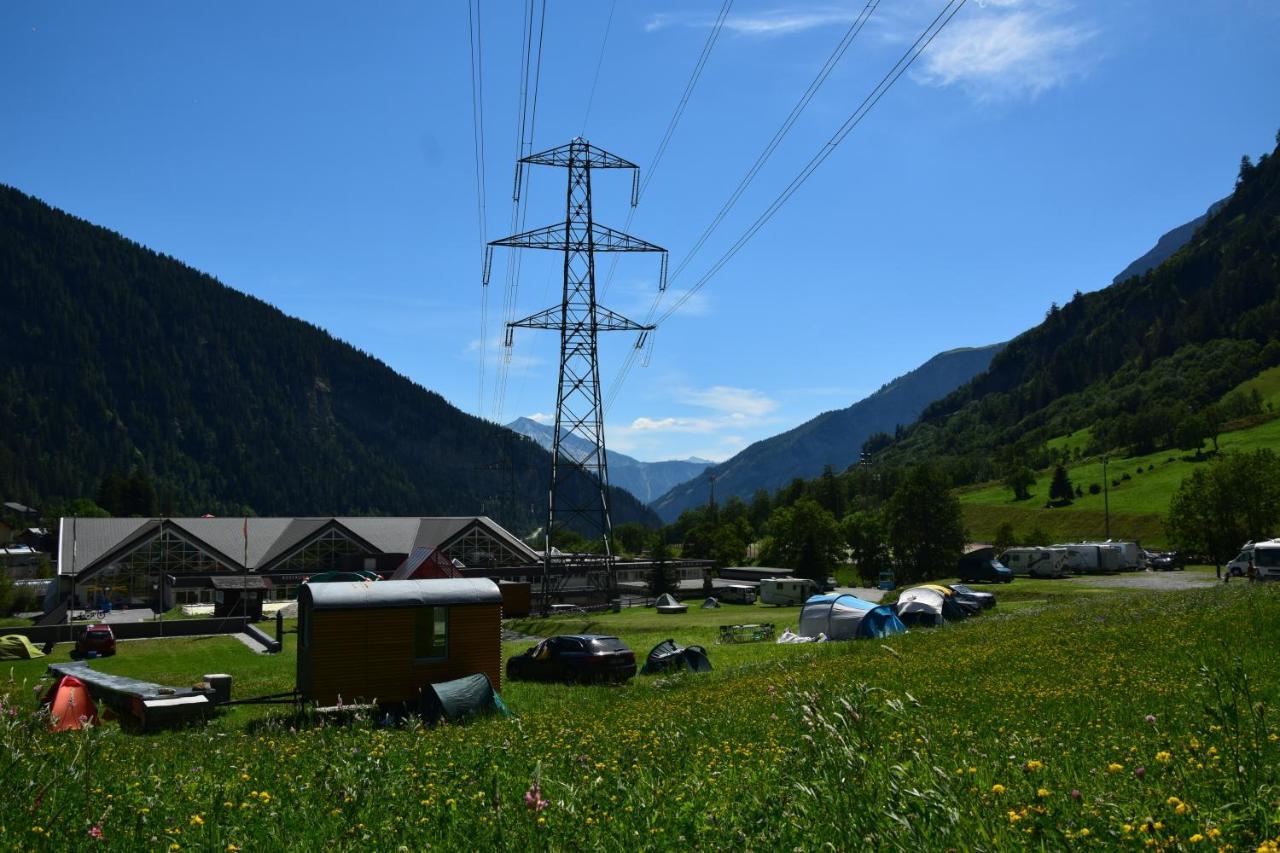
{"x": 1152, "y": 580}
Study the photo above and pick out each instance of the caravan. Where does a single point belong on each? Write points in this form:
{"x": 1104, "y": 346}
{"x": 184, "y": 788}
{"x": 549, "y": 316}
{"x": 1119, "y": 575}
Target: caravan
{"x": 1036, "y": 562}
{"x": 786, "y": 591}
{"x": 1132, "y": 557}
{"x": 1093, "y": 559}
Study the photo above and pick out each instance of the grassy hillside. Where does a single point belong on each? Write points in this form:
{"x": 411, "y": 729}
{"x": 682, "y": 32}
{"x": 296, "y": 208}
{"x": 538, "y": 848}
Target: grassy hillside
{"x": 983, "y": 735}
{"x": 1138, "y": 504}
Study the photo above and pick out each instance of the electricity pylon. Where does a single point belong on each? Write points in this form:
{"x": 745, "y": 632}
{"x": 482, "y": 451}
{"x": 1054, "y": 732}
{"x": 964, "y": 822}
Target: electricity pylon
{"x": 579, "y": 492}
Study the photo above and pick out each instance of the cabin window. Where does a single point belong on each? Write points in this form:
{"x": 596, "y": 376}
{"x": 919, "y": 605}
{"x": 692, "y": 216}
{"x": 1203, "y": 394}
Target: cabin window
{"x": 431, "y": 633}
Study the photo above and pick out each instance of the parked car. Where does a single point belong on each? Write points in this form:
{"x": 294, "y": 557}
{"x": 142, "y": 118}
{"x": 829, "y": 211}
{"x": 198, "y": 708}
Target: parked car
{"x": 584, "y": 658}
{"x": 969, "y": 595}
{"x": 986, "y": 569}
{"x": 97, "y": 640}
{"x": 1167, "y": 561}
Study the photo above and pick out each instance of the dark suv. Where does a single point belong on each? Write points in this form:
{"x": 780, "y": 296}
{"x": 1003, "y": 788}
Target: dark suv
{"x": 97, "y": 640}
{"x": 586, "y": 658}
{"x": 983, "y": 569}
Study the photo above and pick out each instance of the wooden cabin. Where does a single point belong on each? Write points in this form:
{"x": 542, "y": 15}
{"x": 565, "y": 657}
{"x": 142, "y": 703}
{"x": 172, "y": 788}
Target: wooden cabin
{"x": 384, "y": 641}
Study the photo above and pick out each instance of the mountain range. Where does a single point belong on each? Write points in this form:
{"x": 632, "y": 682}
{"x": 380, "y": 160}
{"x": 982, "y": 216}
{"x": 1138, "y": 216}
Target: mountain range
{"x": 645, "y": 480}
{"x": 118, "y": 361}
{"x": 833, "y": 438}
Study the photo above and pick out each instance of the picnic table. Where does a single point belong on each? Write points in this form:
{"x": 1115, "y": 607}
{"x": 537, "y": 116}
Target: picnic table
{"x": 755, "y": 633}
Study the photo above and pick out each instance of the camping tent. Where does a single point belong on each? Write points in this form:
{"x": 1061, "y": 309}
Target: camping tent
{"x": 925, "y": 605}
{"x": 17, "y": 647}
{"x": 710, "y": 604}
{"x": 668, "y": 656}
{"x": 666, "y": 603}
{"x": 846, "y": 617}
{"x": 69, "y": 704}
{"x": 460, "y": 698}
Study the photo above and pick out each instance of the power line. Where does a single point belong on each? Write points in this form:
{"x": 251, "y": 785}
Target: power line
{"x": 599, "y": 62}
{"x": 671, "y": 127}
{"x": 524, "y": 145}
{"x": 780, "y": 134}
{"x": 477, "y": 135}
{"x": 886, "y": 83}
{"x": 899, "y": 68}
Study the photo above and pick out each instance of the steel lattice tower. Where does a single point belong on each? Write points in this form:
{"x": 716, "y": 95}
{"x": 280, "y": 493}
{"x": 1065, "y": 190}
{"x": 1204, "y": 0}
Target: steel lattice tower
{"x": 579, "y": 491}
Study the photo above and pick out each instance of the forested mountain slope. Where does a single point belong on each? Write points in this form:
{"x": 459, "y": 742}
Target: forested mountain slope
{"x": 833, "y": 438}
{"x": 116, "y": 359}
{"x": 1140, "y": 364}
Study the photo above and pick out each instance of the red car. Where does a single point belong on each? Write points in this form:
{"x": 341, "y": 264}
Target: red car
{"x": 96, "y": 639}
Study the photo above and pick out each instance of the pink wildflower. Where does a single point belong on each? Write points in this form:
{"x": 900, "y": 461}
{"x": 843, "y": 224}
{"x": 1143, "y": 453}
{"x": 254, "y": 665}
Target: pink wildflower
{"x": 533, "y": 798}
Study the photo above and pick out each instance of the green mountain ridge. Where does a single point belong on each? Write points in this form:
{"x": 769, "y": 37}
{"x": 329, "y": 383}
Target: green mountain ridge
{"x": 117, "y": 358}
{"x": 1131, "y": 364}
{"x": 832, "y": 438}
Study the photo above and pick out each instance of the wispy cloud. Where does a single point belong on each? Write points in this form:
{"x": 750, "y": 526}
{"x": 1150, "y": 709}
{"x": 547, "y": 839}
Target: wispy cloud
{"x": 731, "y": 411}
{"x": 542, "y": 418}
{"x": 1010, "y": 49}
{"x": 734, "y": 402}
{"x": 769, "y": 22}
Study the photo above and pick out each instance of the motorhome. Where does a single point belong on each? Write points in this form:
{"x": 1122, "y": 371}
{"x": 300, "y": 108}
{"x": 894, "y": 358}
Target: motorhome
{"x": 1036, "y": 562}
{"x": 1132, "y": 557}
{"x": 787, "y": 591}
{"x": 1093, "y": 559}
{"x": 1265, "y": 557}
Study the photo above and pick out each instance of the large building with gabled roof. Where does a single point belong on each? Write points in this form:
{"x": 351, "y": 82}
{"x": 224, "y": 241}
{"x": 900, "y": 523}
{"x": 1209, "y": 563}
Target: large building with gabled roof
{"x": 137, "y": 562}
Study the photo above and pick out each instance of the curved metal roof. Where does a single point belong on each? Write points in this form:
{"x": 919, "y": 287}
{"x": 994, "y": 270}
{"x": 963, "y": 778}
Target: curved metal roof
{"x": 346, "y": 595}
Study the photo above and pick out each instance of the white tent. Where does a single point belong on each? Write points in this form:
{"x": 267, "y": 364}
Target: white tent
{"x": 921, "y": 606}
{"x": 666, "y": 603}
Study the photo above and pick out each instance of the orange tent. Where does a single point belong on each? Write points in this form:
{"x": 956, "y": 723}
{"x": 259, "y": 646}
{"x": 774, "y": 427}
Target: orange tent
{"x": 70, "y": 706}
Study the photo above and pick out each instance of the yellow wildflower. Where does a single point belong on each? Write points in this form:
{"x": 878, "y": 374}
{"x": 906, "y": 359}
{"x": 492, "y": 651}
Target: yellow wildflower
{"x": 997, "y": 788}
{"x": 1196, "y": 839}
{"x": 1164, "y": 756}
{"x": 1114, "y": 768}
{"x": 197, "y": 820}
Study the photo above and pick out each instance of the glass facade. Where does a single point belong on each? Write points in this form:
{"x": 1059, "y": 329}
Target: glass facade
{"x": 325, "y": 553}
{"x": 134, "y": 579}
{"x": 477, "y": 548}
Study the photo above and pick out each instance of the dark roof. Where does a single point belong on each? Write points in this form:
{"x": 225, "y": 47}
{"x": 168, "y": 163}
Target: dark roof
{"x": 346, "y": 595}
{"x": 240, "y": 582}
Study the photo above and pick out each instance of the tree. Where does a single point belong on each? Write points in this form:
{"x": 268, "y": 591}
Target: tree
{"x": 830, "y": 493}
{"x": 806, "y": 538}
{"x": 1020, "y": 480}
{"x": 729, "y": 543}
{"x": 1005, "y": 537}
{"x": 662, "y": 577}
{"x": 1218, "y": 508}
{"x": 865, "y": 535}
{"x": 1191, "y": 433}
{"x": 758, "y": 512}
{"x": 630, "y": 538}
{"x": 1060, "y": 488}
{"x": 926, "y": 531}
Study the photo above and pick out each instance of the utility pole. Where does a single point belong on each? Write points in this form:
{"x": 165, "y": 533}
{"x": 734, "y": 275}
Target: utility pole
{"x": 1106, "y": 496}
{"x": 579, "y": 489}
{"x": 711, "y": 504}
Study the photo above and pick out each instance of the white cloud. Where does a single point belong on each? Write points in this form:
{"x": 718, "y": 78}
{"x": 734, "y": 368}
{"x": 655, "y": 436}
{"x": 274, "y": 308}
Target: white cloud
{"x": 542, "y": 418}
{"x": 1007, "y": 50}
{"x": 737, "y": 403}
{"x": 771, "y": 22}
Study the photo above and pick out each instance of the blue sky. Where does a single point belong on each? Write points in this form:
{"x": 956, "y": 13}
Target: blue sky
{"x": 320, "y": 156}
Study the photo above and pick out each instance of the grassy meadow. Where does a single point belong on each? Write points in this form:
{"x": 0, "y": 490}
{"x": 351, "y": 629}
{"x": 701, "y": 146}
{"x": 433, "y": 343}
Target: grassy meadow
{"x": 1138, "y": 505}
{"x": 1072, "y": 715}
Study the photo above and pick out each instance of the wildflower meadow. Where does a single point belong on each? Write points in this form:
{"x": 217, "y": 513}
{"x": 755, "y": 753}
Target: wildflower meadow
{"x": 1141, "y": 720}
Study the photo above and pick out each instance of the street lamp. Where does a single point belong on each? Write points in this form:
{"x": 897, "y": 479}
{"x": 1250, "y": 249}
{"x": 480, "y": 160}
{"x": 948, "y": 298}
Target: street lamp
{"x": 1106, "y": 496}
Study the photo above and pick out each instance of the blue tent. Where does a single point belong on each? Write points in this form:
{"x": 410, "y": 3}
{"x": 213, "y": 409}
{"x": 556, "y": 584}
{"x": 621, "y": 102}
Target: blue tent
{"x": 847, "y": 617}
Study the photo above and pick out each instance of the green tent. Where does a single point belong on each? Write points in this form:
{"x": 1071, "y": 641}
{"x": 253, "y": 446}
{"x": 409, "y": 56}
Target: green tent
{"x": 17, "y": 647}
{"x": 669, "y": 655}
{"x": 463, "y": 697}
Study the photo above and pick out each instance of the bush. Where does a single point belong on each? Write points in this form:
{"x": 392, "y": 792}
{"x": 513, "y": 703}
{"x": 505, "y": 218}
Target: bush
{"x": 1094, "y": 488}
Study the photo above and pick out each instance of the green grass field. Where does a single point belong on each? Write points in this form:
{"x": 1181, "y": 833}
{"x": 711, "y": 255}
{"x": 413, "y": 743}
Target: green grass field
{"x": 1138, "y": 505}
{"x": 1074, "y": 714}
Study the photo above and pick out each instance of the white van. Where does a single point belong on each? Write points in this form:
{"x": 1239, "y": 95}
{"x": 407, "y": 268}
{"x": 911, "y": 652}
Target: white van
{"x": 1265, "y": 556}
{"x": 786, "y": 591}
{"x": 1036, "y": 562}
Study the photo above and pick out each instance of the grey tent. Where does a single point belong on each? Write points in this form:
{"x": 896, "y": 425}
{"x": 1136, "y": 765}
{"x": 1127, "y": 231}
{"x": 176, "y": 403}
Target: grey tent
{"x": 710, "y": 604}
{"x": 456, "y": 700}
{"x": 667, "y": 656}
{"x": 666, "y": 603}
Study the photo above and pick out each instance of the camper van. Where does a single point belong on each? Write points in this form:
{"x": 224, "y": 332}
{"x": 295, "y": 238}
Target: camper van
{"x": 1265, "y": 557}
{"x": 1036, "y": 562}
{"x": 1132, "y": 557}
{"x": 737, "y": 593}
{"x": 786, "y": 591}
{"x": 1092, "y": 559}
